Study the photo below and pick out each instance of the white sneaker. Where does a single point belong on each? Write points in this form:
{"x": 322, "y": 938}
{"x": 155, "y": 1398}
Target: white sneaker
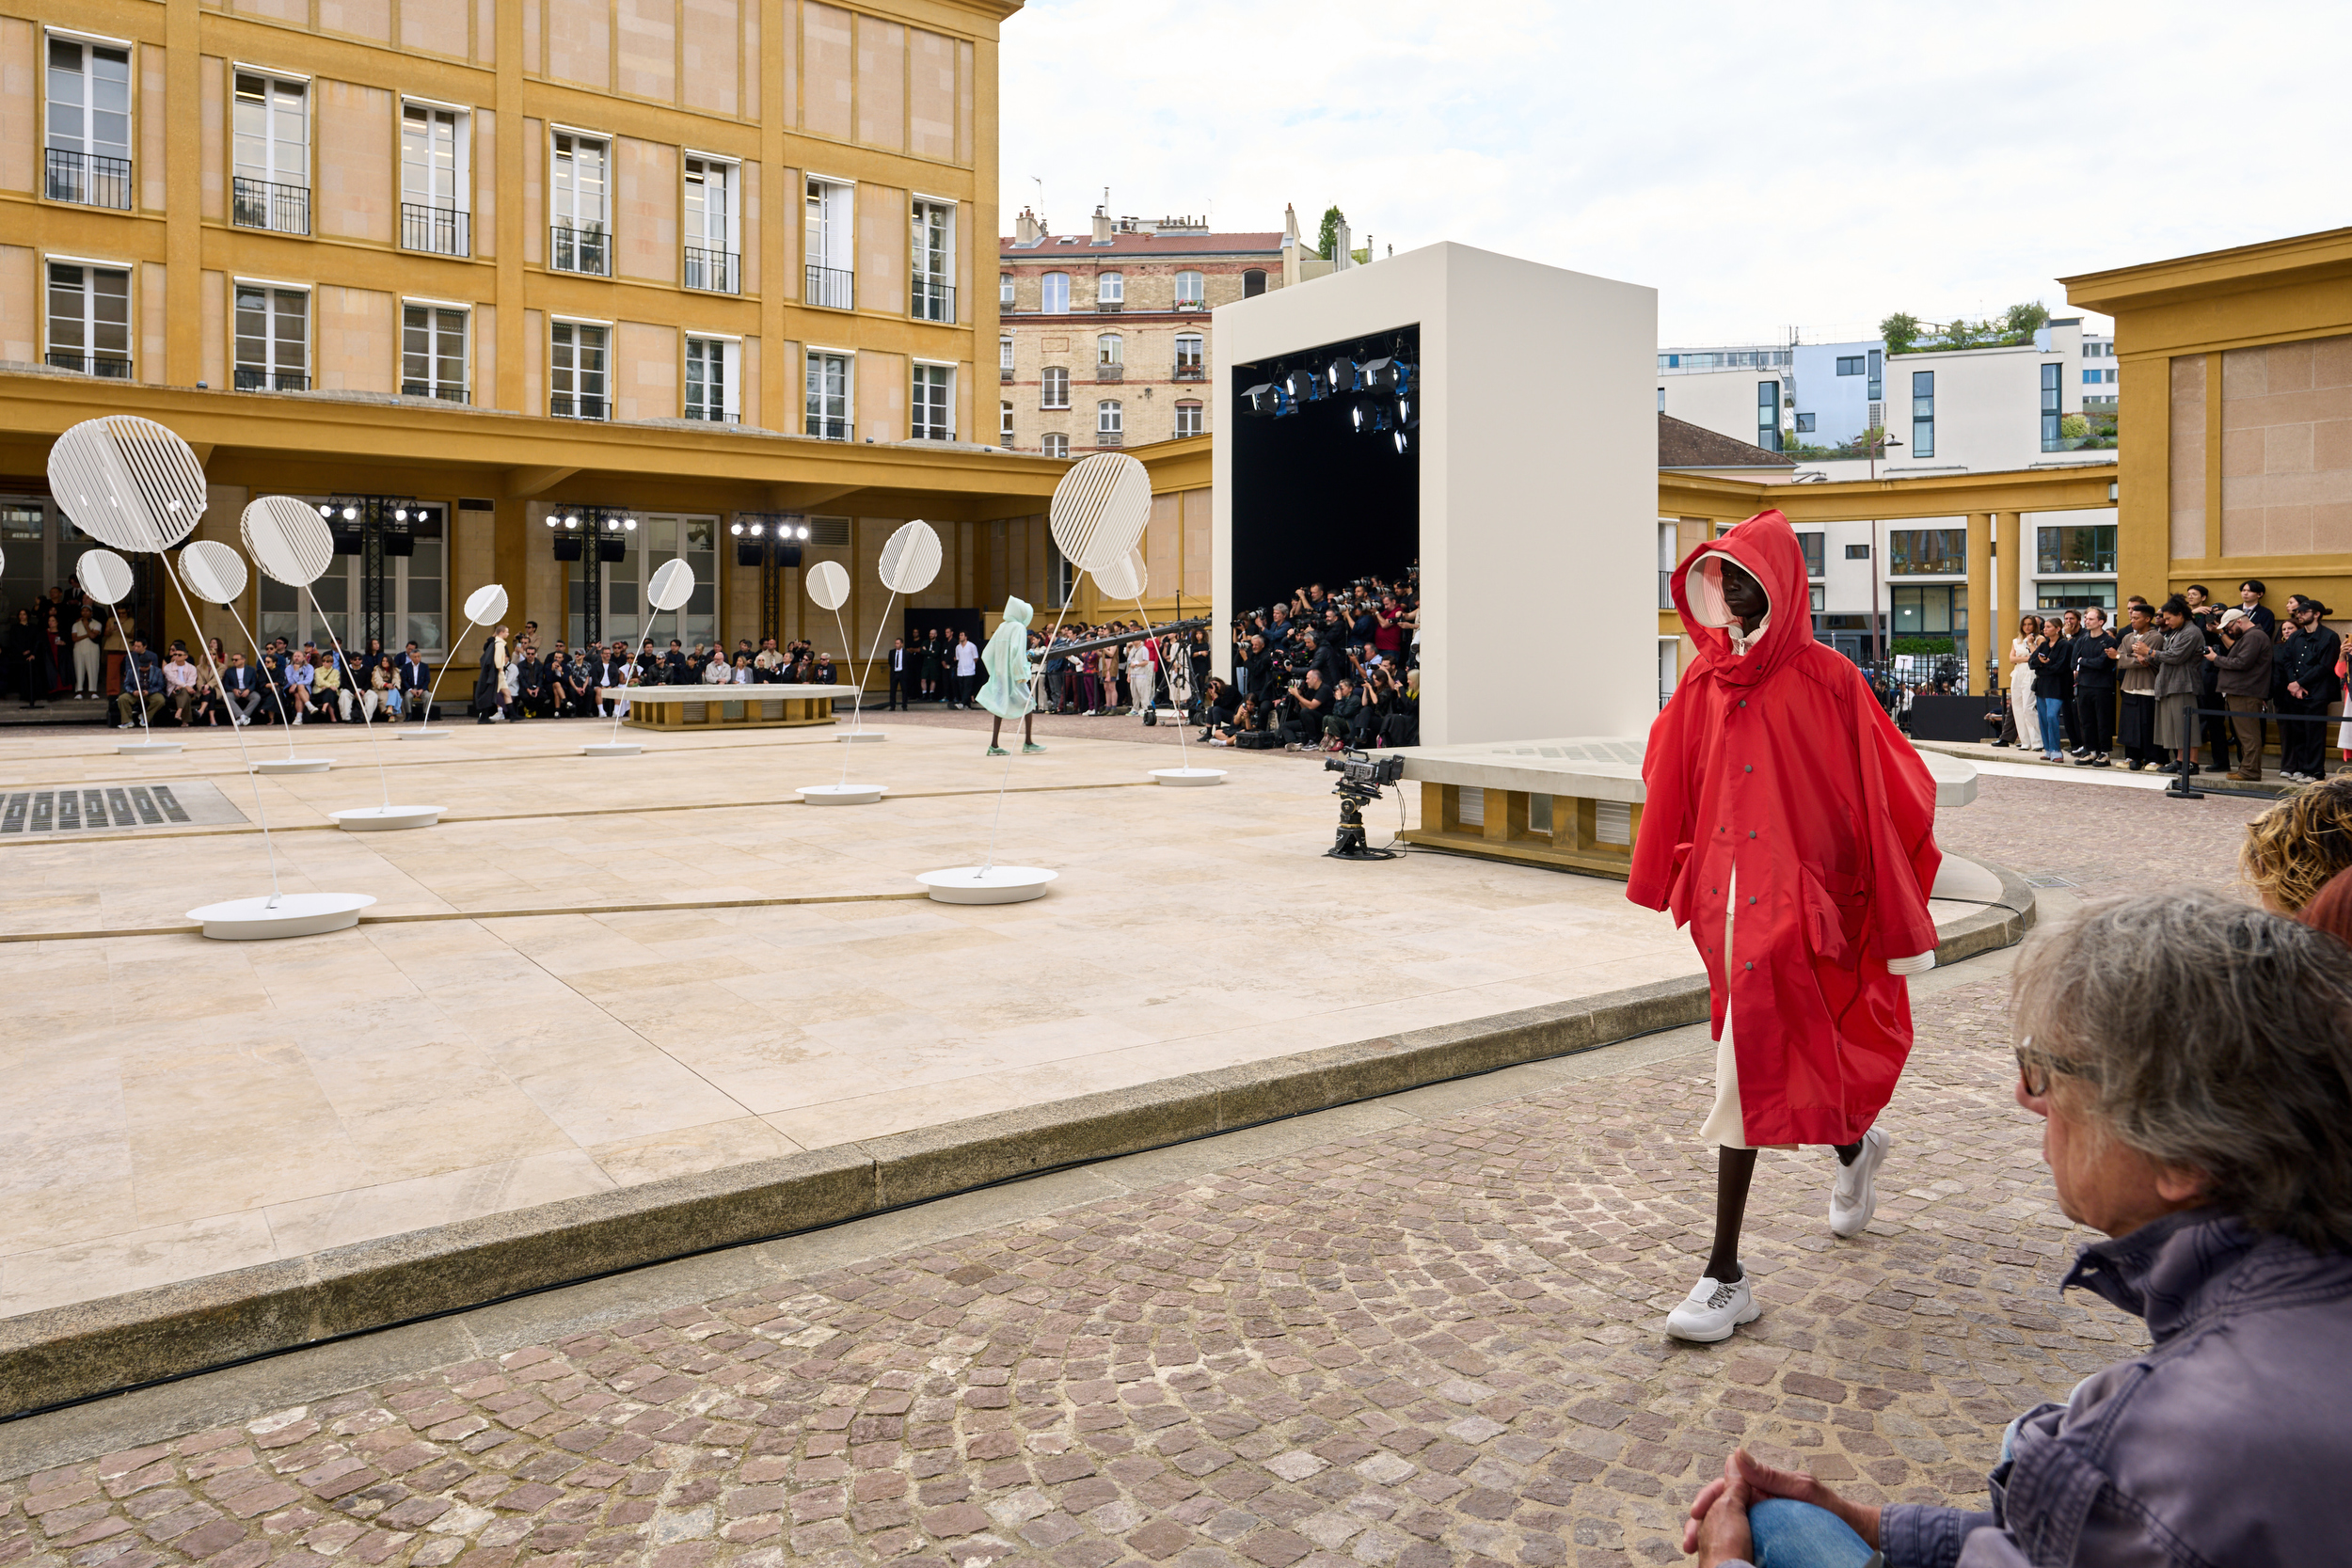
{"x": 1711, "y": 1310}
{"x": 1854, "y": 1198}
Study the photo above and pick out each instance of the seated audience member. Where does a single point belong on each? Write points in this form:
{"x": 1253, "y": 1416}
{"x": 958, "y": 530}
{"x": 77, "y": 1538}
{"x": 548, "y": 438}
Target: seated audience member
{"x": 824, "y": 673}
{"x": 180, "y": 685}
{"x": 327, "y": 689}
{"x": 415, "y": 683}
{"x": 2293, "y": 849}
{"x": 715, "y": 671}
{"x": 744, "y": 673}
{"x": 241, "y": 691}
{"x": 297, "y": 681}
{"x": 142, "y": 686}
{"x": 2191, "y": 1059}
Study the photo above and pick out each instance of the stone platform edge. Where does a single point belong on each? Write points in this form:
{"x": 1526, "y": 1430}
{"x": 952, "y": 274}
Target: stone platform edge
{"x": 87, "y": 1350}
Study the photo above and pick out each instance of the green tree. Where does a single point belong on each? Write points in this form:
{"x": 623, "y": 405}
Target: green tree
{"x": 1959, "y": 332}
{"x": 1327, "y": 242}
{"x": 1900, "y": 330}
{"x": 2023, "y": 321}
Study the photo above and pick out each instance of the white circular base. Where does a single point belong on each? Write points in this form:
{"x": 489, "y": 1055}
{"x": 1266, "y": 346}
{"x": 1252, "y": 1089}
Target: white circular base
{"x": 611, "y": 749}
{"x": 147, "y": 748}
{"x": 1187, "y": 778}
{"x": 275, "y": 766}
{"x": 841, "y": 795}
{"x": 296, "y": 914}
{"x": 424, "y": 734}
{"x": 377, "y": 819}
{"x": 857, "y": 736}
{"x": 1001, "y": 884}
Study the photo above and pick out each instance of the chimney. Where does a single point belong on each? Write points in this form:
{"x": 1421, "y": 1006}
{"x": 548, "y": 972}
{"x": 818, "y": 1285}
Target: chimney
{"x": 1026, "y": 229}
{"x": 1102, "y": 226}
{"x": 1290, "y": 246}
{"x": 1342, "y": 248}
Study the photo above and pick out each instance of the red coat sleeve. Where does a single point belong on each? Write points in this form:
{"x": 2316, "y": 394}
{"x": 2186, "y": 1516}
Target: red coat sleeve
{"x": 1899, "y": 797}
{"x": 1662, "y": 845}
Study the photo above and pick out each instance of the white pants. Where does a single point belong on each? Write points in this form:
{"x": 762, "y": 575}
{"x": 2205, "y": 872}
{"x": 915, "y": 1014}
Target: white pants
{"x": 1140, "y": 688}
{"x": 85, "y": 665}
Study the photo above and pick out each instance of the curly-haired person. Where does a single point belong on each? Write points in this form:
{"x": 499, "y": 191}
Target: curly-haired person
{"x": 2292, "y": 849}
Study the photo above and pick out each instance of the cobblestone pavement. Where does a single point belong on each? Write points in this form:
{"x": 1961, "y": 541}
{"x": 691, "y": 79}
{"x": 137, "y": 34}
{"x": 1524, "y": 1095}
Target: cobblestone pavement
{"x": 1437, "y": 1344}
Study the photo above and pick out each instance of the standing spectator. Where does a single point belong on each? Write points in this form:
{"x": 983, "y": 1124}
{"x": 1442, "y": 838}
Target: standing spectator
{"x": 2205, "y": 615}
{"x": 1106, "y": 676}
{"x": 1141, "y": 653}
{"x": 2048, "y": 660}
{"x": 2023, "y": 729}
{"x": 2095, "y": 653}
{"x": 2249, "y": 598}
{"x": 2071, "y": 741}
{"x": 901, "y": 676}
{"x": 2136, "y": 673}
{"x": 89, "y": 634}
{"x": 2242, "y": 664}
{"x": 967, "y": 666}
{"x": 27, "y": 647}
{"x": 2178, "y": 661}
{"x": 489, "y": 689}
{"x": 2307, "y": 684}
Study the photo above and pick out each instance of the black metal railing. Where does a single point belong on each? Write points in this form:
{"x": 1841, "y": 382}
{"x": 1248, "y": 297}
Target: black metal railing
{"x": 714, "y": 416}
{"x": 827, "y": 428}
{"x": 935, "y": 433}
{"x": 563, "y": 406}
{"x": 932, "y": 301}
{"x": 437, "y": 231}
{"x": 1110, "y": 307}
{"x": 258, "y": 378}
{"x": 832, "y": 288}
{"x": 91, "y": 178}
{"x": 268, "y": 204}
{"x": 718, "y": 272}
{"x": 442, "y": 391}
{"x": 1004, "y": 373}
{"x": 106, "y": 367}
{"x": 1110, "y": 372}
{"x": 583, "y": 250}
{"x": 1193, "y": 371}
{"x": 1109, "y": 438}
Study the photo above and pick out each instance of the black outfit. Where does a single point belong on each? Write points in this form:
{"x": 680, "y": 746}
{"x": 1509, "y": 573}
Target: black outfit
{"x": 2094, "y": 691}
{"x": 28, "y": 655}
{"x": 2218, "y": 732}
{"x": 901, "y": 680}
{"x": 2071, "y": 737}
{"x": 2307, "y": 658}
{"x": 2049, "y": 673}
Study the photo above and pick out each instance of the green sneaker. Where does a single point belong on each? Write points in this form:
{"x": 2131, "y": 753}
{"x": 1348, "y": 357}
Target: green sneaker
{"x": 998, "y": 751}
{"x": 1028, "y": 747}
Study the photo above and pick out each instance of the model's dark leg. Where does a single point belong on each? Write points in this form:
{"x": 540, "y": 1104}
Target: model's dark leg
{"x": 1734, "y": 1169}
{"x": 1845, "y": 1153}
{"x": 995, "y": 731}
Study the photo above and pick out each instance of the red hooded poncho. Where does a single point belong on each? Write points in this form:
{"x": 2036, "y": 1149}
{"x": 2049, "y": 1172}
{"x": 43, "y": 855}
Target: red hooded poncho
{"x": 1782, "y": 759}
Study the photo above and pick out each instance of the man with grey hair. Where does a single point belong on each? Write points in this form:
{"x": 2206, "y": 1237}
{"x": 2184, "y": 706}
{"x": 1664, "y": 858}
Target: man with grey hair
{"x": 2191, "y": 1059}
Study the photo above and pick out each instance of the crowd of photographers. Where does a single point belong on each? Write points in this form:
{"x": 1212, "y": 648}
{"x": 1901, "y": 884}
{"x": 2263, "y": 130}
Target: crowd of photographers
{"x": 1323, "y": 670}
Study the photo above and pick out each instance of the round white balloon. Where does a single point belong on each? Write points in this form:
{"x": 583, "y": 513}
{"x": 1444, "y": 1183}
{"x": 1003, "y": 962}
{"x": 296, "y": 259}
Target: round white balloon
{"x": 127, "y": 482}
{"x": 103, "y": 575}
{"x": 213, "y": 570}
{"x": 828, "y": 584}
{"x": 288, "y": 539}
{"x": 1100, "y": 509}
{"x": 1124, "y": 579}
{"x": 909, "y": 557}
{"x": 485, "y": 604}
{"x": 673, "y": 585}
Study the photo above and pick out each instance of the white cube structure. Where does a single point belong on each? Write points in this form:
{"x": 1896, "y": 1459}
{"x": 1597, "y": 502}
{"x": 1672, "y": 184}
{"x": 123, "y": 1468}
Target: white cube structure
{"x": 1537, "y": 489}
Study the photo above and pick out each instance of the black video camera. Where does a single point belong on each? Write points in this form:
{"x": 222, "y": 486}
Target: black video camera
{"x": 1356, "y": 768}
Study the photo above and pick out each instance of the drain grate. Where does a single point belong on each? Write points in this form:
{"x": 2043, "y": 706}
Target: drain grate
{"x": 193, "y": 804}
{"x": 2049, "y": 879}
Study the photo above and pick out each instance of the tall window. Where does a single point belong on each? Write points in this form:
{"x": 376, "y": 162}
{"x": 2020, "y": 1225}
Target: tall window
{"x": 1923, "y": 413}
{"x": 273, "y": 339}
{"x": 1191, "y": 291}
{"x": 1054, "y": 293}
{"x": 2080, "y": 547}
{"x": 1190, "y": 365}
{"x": 272, "y": 183}
{"x": 1768, "y": 414}
{"x": 433, "y": 352}
{"x": 711, "y": 246}
{"x": 1252, "y": 283}
{"x": 1054, "y": 388}
{"x": 90, "y": 320}
{"x": 2052, "y": 432}
{"x": 828, "y": 244}
{"x": 1876, "y": 390}
{"x": 1003, "y": 357}
{"x": 829, "y": 396}
{"x": 1004, "y": 425}
{"x": 432, "y": 181}
{"x": 934, "y": 398}
{"x": 932, "y": 267}
{"x": 1056, "y": 445}
{"x": 577, "y": 364}
{"x": 89, "y": 152}
{"x": 1110, "y": 288}
{"x": 713, "y": 389}
{"x": 1109, "y": 349}
{"x": 1668, "y": 553}
{"x": 1189, "y": 419}
{"x": 1811, "y": 543}
{"x": 1004, "y": 291}
{"x": 1107, "y": 422}
{"x": 1927, "y": 551}
{"x": 580, "y": 185}
{"x": 1934, "y": 611}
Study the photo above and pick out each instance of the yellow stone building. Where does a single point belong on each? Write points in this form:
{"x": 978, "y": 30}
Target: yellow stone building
{"x": 493, "y": 263}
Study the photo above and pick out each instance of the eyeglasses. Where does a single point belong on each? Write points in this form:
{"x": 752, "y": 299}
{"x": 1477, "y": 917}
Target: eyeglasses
{"x": 2035, "y": 1069}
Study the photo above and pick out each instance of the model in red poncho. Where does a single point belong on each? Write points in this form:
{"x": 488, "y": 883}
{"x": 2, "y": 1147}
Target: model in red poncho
{"x": 1790, "y": 825}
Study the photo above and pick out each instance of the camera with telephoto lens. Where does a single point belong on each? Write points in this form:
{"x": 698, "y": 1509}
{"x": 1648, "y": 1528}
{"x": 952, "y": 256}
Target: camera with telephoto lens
{"x": 1370, "y": 773}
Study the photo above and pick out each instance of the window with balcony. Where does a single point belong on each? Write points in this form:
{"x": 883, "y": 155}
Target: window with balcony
{"x": 578, "y": 370}
{"x": 2053, "y": 413}
{"x": 829, "y": 396}
{"x": 934, "y": 399}
{"x": 433, "y": 204}
{"x": 1003, "y": 357}
{"x": 1056, "y": 445}
{"x": 1054, "y": 388}
{"x": 1053, "y": 297}
{"x": 931, "y": 269}
{"x": 89, "y": 152}
{"x": 271, "y": 185}
{"x": 581, "y": 207}
{"x": 712, "y": 247}
{"x": 433, "y": 352}
{"x": 829, "y": 245}
{"x": 1110, "y": 291}
{"x": 1191, "y": 361}
{"x": 1191, "y": 420}
{"x": 1768, "y": 414}
{"x": 2082, "y": 548}
{"x": 1004, "y": 291}
{"x": 1110, "y": 363}
{"x": 273, "y": 331}
{"x": 1191, "y": 291}
{"x": 1110, "y": 423}
{"x": 712, "y": 385}
{"x": 1927, "y": 551}
{"x": 1004, "y": 425}
{"x": 90, "y": 320}
{"x": 1923, "y": 413}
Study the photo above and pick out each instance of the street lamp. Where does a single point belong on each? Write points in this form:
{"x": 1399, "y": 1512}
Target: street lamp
{"x": 1878, "y": 648}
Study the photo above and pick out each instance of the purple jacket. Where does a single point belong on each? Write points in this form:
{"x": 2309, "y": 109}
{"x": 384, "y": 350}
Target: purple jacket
{"x": 2223, "y": 1444}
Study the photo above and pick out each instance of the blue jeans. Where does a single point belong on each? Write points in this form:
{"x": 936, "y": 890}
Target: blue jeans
{"x": 1788, "y": 1535}
{"x": 2048, "y": 711}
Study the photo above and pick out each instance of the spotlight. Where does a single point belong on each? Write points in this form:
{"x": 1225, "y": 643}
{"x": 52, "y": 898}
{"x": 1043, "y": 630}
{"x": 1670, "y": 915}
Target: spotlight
{"x": 1403, "y": 440}
{"x": 1367, "y": 416}
{"x": 571, "y": 522}
{"x": 1264, "y": 399}
{"x": 1342, "y": 376}
{"x": 326, "y": 511}
{"x": 555, "y": 522}
{"x": 757, "y": 529}
{"x": 399, "y": 515}
{"x": 350, "y": 513}
{"x": 1304, "y": 387}
{"x": 803, "y": 531}
{"x": 629, "y": 523}
{"x": 735, "y": 529}
{"x": 1408, "y": 412}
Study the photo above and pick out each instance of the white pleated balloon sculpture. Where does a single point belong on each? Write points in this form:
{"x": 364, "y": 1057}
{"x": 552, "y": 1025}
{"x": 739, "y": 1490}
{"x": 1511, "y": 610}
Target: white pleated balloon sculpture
{"x": 485, "y": 605}
{"x": 910, "y": 560}
{"x": 286, "y": 559}
{"x": 133, "y": 484}
{"x": 672, "y": 584}
{"x": 1128, "y": 579}
{"x": 106, "y": 578}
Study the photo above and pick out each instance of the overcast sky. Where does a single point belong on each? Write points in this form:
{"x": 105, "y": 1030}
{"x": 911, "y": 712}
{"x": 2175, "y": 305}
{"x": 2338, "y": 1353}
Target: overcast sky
{"x": 1762, "y": 166}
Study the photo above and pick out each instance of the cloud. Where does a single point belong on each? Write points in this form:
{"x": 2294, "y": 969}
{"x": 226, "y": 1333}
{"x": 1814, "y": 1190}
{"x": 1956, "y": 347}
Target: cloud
{"x": 1761, "y": 167}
